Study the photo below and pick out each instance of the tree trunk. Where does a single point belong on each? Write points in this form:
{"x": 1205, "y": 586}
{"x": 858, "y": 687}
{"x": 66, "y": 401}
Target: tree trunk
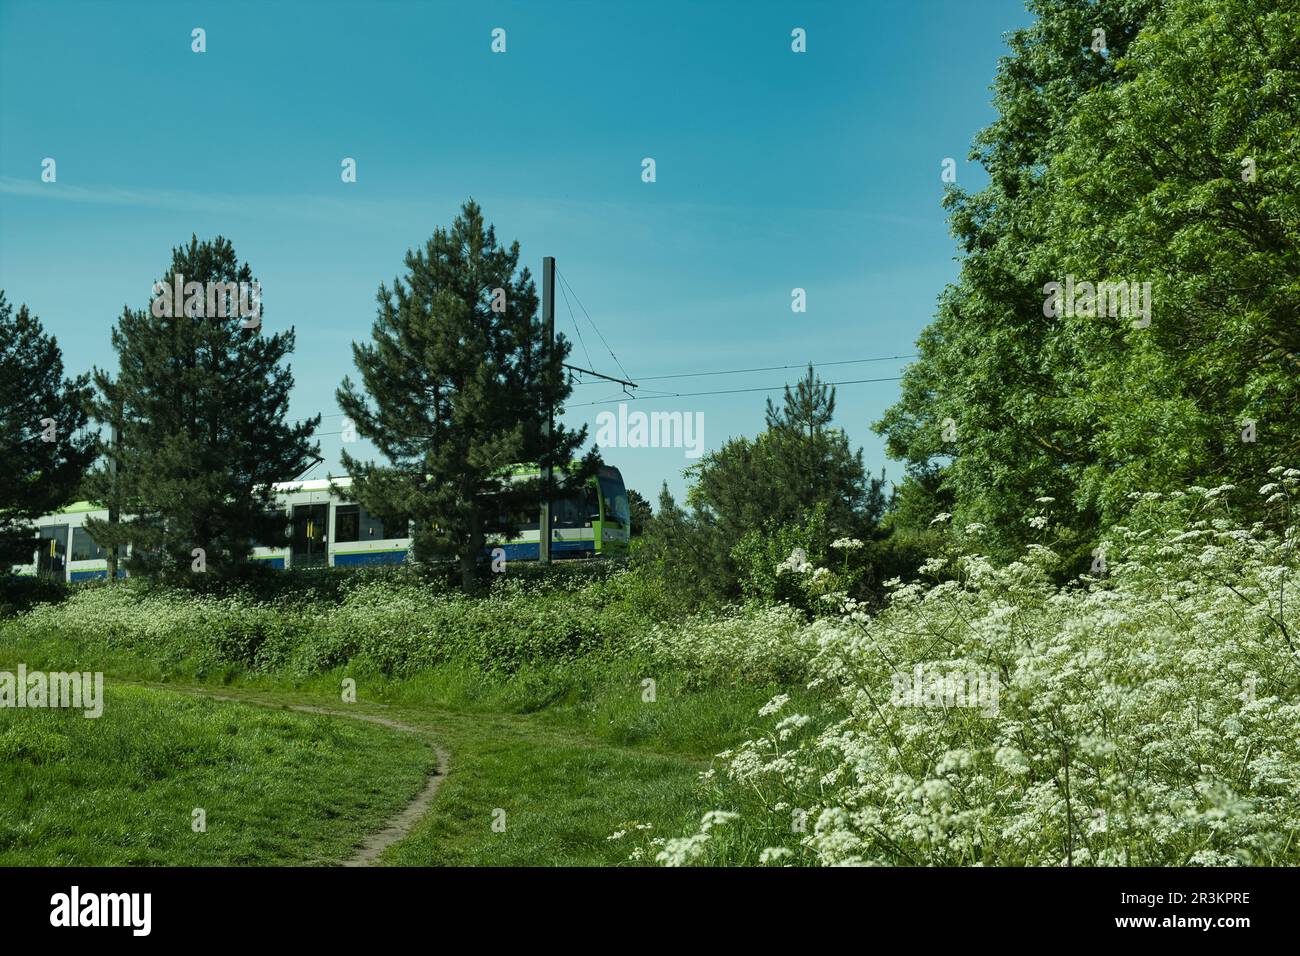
{"x": 469, "y": 557}
{"x": 466, "y": 572}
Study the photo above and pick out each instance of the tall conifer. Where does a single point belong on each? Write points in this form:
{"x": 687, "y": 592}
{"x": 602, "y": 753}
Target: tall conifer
{"x": 43, "y": 444}
{"x": 458, "y": 386}
{"x": 199, "y": 405}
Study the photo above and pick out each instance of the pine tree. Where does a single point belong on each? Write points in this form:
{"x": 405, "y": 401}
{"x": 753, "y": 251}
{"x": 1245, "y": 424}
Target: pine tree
{"x": 809, "y": 408}
{"x": 686, "y": 558}
{"x": 639, "y": 510}
{"x": 41, "y": 414}
{"x": 199, "y": 405}
{"x": 800, "y": 460}
{"x": 458, "y": 387}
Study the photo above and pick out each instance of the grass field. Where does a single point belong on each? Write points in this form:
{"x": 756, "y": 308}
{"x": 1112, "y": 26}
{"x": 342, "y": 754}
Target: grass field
{"x": 563, "y": 792}
{"x": 276, "y": 787}
{"x": 571, "y": 755}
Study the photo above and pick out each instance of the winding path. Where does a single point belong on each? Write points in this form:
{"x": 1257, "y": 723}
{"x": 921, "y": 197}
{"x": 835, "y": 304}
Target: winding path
{"x": 367, "y": 854}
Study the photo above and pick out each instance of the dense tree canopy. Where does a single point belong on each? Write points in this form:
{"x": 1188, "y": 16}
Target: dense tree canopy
{"x": 797, "y": 484}
{"x": 640, "y": 511}
{"x": 1167, "y": 157}
{"x": 798, "y": 462}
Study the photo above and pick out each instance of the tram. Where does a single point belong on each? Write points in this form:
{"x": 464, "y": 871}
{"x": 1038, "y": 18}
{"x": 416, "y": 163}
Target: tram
{"x": 326, "y": 529}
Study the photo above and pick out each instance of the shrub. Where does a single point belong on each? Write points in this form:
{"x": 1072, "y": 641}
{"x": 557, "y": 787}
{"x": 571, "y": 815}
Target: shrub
{"x": 752, "y": 645}
{"x": 395, "y": 622}
{"x": 1147, "y": 715}
{"x": 18, "y": 592}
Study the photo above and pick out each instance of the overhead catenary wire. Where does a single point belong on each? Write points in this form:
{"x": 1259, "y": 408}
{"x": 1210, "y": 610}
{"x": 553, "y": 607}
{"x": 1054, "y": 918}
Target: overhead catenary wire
{"x": 768, "y": 368}
{"x": 723, "y": 391}
{"x": 733, "y": 391}
{"x": 727, "y": 391}
{"x": 564, "y": 285}
{"x": 565, "y": 282}
{"x": 576, "y": 327}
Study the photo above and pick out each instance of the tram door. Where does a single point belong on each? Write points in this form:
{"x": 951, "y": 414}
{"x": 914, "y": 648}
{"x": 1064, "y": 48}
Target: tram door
{"x": 52, "y": 553}
{"x": 310, "y": 533}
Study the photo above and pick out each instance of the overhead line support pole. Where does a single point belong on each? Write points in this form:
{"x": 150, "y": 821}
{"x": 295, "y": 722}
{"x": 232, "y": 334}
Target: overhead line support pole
{"x": 548, "y": 325}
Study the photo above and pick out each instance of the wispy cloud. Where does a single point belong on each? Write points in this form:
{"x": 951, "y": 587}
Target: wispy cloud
{"x": 316, "y": 208}
{"x": 379, "y": 211}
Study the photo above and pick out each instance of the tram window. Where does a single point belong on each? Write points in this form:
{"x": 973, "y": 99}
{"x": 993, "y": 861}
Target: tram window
{"x": 355, "y": 523}
{"x": 372, "y": 528}
{"x": 347, "y": 523}
{"x": 84, "y": 547}
{"x": 567, "y": 512}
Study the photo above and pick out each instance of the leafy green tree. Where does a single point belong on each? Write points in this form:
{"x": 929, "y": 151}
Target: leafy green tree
{"x": 918, "y": 500}
{"x": 1169, "y": 158}
{"x": 458, "y": 386}
{"x": 798, "y": 481}
{"x": 199, "y": 405}
{"x": 766, "y": 557}
{"x": 43, "y": 444}
{"x": 1184, "y": 176}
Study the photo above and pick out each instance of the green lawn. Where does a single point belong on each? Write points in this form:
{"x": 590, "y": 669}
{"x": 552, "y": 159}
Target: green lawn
{"x": 282, "y": 787}
{"x": 562, "y": 796}
{"x": 563, "y": 792}
{"x": 277, "y": 787}
{"x": 571, "y": 753}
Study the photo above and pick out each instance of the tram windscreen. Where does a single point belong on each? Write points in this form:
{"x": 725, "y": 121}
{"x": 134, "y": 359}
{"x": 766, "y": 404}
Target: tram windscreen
{"x": 615, "y": 495}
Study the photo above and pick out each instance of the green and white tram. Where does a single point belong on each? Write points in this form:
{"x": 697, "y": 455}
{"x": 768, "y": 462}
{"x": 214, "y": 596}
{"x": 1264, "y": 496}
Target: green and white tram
{"x": 326, "y": 529}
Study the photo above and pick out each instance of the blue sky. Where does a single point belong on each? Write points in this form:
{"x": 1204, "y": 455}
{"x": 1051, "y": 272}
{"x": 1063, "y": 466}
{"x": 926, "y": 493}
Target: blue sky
{"x": 775, "y": 170}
